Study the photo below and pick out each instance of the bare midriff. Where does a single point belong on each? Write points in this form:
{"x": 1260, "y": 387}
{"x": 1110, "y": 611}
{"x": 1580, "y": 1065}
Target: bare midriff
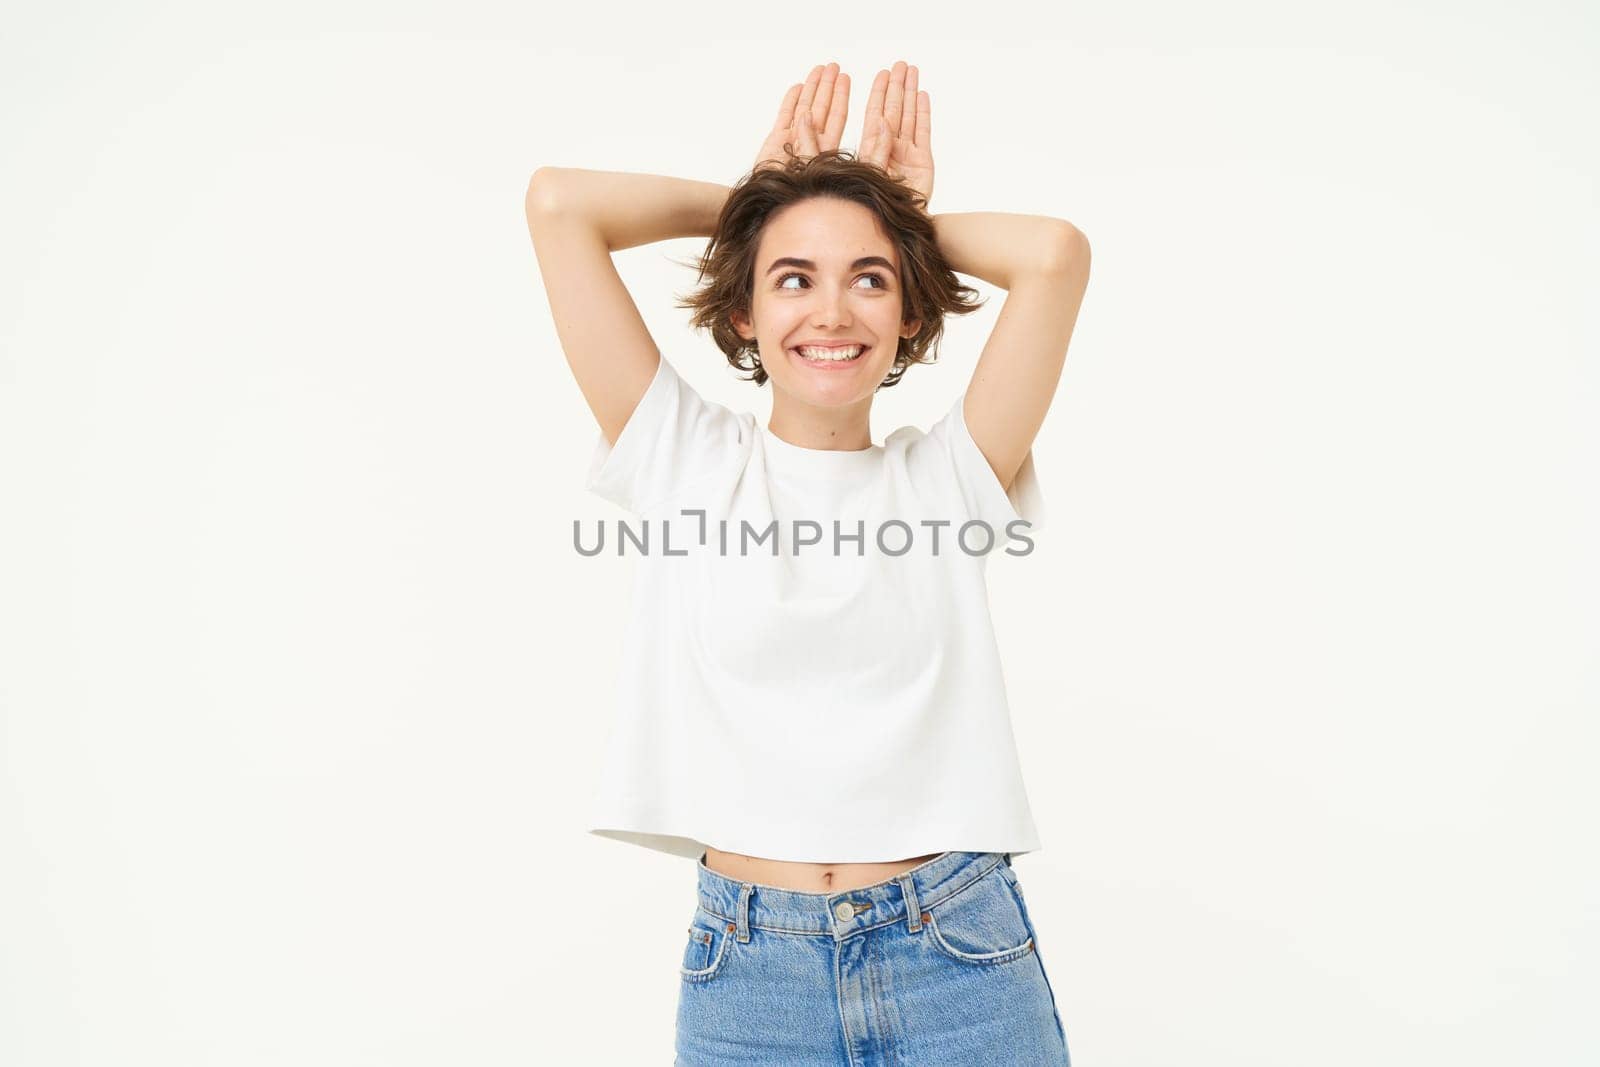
{"x": 807, "y": 877}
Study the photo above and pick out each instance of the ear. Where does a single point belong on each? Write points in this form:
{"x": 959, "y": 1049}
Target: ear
{"x": 741, "y": 325}
{"x": 911, "y": 329}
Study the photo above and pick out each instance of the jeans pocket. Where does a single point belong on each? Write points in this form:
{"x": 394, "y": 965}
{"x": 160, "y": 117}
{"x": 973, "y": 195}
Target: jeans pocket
{"x": 981, "y": 923}
{"x": 706, "y": 949}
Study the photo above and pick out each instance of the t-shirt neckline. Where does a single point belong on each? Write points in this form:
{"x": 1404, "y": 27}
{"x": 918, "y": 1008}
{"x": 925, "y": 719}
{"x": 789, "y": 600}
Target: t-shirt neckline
{"x": 824, "y": 458}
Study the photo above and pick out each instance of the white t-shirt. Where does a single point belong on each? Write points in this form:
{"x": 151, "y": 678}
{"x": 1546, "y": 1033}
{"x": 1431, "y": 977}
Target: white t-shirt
{"x": 808, "y": 705}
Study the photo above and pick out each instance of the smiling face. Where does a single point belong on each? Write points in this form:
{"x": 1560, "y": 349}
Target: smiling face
{"x": 826, "y": 274}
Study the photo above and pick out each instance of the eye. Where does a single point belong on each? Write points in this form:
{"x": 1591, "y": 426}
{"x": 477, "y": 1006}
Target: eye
{"x": 883, "y": 283}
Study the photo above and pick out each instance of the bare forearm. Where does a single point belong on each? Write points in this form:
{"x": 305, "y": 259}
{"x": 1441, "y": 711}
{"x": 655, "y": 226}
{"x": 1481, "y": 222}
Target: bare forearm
{"x": 998, "y": 246}
{"x": 628, "y": 209}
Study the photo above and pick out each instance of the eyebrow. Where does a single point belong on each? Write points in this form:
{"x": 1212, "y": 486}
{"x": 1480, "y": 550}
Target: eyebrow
{"x": 806, "y": 264}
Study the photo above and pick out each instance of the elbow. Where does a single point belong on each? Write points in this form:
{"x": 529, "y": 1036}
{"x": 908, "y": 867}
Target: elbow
{"x": 1068, "y": 253}
{"x": 541, "y": 196}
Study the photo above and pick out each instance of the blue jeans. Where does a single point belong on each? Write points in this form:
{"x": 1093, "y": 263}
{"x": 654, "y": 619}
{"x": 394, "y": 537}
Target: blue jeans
{"x": 939, "y": 965}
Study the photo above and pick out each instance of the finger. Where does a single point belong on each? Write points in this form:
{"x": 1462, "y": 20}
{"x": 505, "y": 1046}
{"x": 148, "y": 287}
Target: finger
{"x": 880, "y": 85}
{"x": 869, "y": 117}
{"x": 894, "y": 100}
{"x": 786, "y": 109}
{"x": 838, "y": 111}
{"x": 823, "y": 101}
{"x": 809, "y": 92}
{"x": 908, "y": 112}
{"x": 924, "y": 135}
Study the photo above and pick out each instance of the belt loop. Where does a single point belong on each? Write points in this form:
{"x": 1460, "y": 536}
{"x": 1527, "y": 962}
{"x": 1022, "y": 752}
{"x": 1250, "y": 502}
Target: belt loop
{"x": 908, "y": 890}
{"x": 744, "y": 911}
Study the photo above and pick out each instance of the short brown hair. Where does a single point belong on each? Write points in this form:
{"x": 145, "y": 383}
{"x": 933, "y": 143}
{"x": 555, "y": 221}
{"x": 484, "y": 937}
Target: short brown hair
{"x": 931, "y": 290}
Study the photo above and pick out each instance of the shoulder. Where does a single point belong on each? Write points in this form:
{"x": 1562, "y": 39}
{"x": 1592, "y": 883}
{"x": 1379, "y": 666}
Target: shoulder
{"x": 675, "y": 437}
{"x": 945, "y": 459}
{"x": 917, "y": 442}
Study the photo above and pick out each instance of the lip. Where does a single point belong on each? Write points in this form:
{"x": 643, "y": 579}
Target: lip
{"x": 834, "y": 367}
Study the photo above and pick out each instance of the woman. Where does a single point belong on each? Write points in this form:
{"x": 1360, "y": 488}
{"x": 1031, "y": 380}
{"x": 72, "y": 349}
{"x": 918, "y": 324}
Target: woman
{"x": 821, "y": 720}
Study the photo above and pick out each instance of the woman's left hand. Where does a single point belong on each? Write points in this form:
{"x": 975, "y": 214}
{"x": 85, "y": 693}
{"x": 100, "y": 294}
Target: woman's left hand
{"x": 811, "y": 118}
{"x": 896, "y": 133}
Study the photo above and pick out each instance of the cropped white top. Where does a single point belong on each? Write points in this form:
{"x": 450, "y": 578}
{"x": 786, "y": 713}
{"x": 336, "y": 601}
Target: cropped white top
{"x": 809, "y": 671}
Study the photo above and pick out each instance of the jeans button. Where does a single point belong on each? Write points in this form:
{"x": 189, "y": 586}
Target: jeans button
{"x": 844, "y": 910}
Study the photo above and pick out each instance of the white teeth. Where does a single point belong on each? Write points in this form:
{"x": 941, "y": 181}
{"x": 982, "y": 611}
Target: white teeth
{"x": 831, "y": 354}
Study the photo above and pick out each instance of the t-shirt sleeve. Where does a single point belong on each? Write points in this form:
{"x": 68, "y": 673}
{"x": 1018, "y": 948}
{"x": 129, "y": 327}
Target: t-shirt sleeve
{"x": 674, "y": 438}
{"x": 979, "y": 487}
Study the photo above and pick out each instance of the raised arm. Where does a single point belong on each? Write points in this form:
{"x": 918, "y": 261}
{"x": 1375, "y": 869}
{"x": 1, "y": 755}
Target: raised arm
{"x": 577, "y": 218}
{"x": 1043, "y": 264}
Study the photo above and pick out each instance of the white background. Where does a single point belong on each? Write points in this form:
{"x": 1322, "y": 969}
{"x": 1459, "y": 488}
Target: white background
{"x": 304, "y": 685}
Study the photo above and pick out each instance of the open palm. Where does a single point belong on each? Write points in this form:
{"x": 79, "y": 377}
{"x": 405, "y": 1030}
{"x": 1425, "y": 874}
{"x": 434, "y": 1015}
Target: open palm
{"x": 811, "y": 117}
{"x": 896, "y": 130}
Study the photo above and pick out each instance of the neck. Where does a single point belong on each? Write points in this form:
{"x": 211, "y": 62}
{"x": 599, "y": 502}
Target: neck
{"x": 847, "y": 428}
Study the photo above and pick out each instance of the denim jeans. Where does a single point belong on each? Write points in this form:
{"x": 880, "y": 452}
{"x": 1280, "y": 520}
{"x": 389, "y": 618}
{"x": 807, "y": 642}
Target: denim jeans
{"x": 937, "y": 966}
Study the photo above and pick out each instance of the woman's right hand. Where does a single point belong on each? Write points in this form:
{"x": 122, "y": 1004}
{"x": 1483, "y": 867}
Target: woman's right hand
{"x": 811, "y": 117}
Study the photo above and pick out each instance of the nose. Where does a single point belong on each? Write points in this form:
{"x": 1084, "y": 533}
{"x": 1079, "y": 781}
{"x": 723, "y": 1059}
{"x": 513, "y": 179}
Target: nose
{"x": 830, "y": 309}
